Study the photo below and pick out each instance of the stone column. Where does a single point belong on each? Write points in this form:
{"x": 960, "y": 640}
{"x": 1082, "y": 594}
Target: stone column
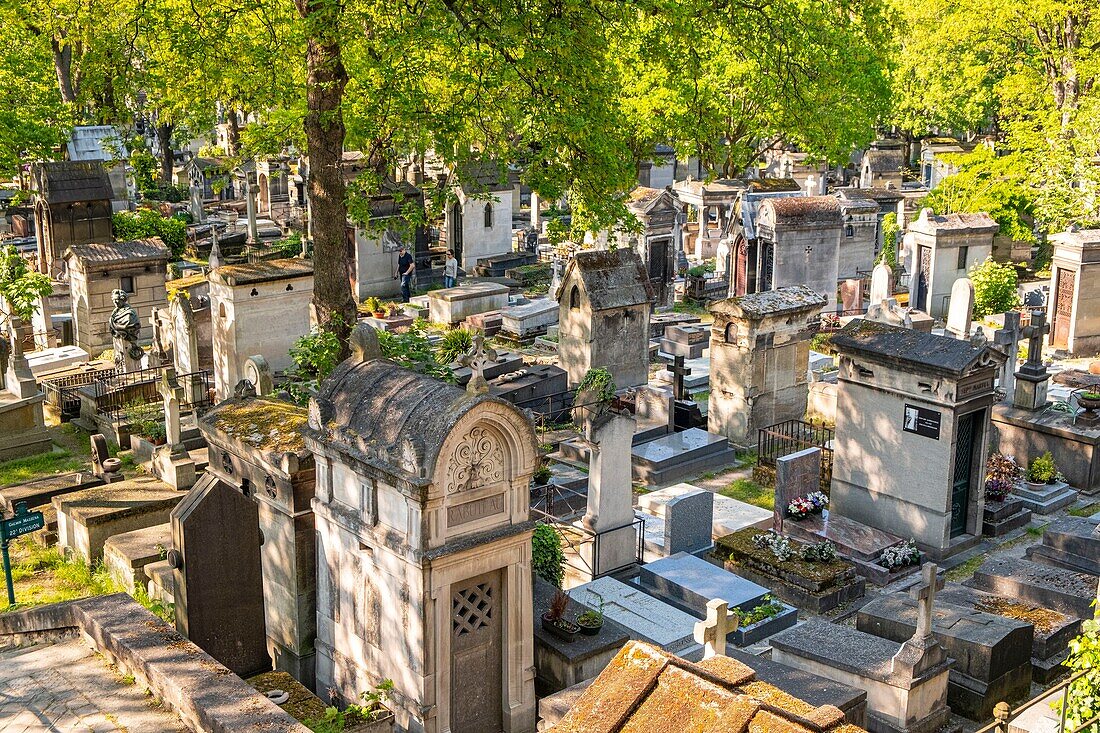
{"x": 250, "y": 205}
{"x": 172, "y": 462}
{"x": 610, "y": 511}
{"x": 19, "y": 380}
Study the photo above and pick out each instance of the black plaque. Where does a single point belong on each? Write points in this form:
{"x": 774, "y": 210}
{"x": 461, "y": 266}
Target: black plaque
{"x": 921, "y": 421}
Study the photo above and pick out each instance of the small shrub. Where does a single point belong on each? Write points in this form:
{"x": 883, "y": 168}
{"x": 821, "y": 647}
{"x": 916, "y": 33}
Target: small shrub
{"x": 995, "y": 288}
{"x": 768, "y": 608}
{"x": 598, "y": 385}
{"x": 1042, "y": 470}
{"x": 1001, "y": 474}
{"x": 547, "y": 557}
{"x": 147, "y": 420}
{"x": 315, "y": 355}
{"x": 454, "y": 344}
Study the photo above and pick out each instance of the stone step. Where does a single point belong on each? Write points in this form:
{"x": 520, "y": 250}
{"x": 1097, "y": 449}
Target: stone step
{"x": 1046, "y": 501}
{"x": 1042, "y": 585}
{"x": 995, "y": 511}
{"x": 1001, "y": 527}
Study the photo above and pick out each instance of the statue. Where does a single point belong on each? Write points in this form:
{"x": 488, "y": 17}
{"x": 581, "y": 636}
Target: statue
{"x": 125, "y": 327}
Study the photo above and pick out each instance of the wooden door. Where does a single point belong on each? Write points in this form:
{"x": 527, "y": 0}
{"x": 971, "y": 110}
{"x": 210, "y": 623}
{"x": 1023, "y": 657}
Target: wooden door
{"x": 477, "y": 695}
{"x": 1063, "y": 308}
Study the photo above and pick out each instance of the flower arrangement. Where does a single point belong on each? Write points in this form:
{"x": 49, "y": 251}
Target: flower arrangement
{"x": 1042, "y": 470}
{"x": 1001, "y": 474}
{"x": 779, "y": 545}
{"x": 900, "y": 556}
{"x": 801, "y": 507}
{"x": 824, "y": 551}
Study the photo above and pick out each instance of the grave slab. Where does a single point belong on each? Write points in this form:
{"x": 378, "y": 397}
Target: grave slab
{"x": 644, "y": 617}
{"x": 452, "y": 305}
{"x": 992, "y": 653}
{"x": 86, "y": 519}
{"x": 859, "y": 543}
{"x": 126, "y": 555}
{"x": 1046, "y": 498}
{"x": 44, "y": 361}
{"x": 689, "y": 583}
{"x": 1043, "y": 585}
{"x": 40, "y": 492}
{"x": 1001, "y": 517}
{"x": 505, "y": 363}
{"x": 1072, "y": 543}
{"x": 529, "y": 320}
{"x": 679, "y": 455}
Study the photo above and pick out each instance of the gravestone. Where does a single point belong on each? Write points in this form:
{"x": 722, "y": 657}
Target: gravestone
{"x": 960, "y": 311}
{"x": 218, "y": 578}
{"x": 171, "y": 462}
{"x": 1030, "y": 391}
{"x": 610, "y": 511}
{"x": 891, "y": 313}
{"x": 922, "y": 653}
{"x": 712, "y": 631}
{"x": 685, "y": 521}
{"x": 685, "y": 341}
{"x": 679, "y": 371}
{"x": 257, "y": 371}
{"x": 477, "y": 358}
{"x": 882, "y": 280}
{"x": 1063, "y": 590}
{"x": 1007, "y": 339}
{"x": 1072, "y": 543}
{"x": 42, "y": 325}
{"x": 796, "y": 474}
{"x": 645, "y": 617}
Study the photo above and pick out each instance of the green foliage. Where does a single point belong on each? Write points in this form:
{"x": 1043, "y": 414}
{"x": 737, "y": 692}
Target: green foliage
{"x": 290, "y": 246}
{"x": 768, "y": 607}
{"x": 1042, "y": 470}
{"x": 697, "y": 271}
{"x": 147, "y": 420}
{"x": 454, "y": 344}
{"x": 995, "y": 288}
{"x": 20, "y": 288}
{"x": 144, "y": 167}
{"x": 749, "y": 491}
{"x": 373, "y": 304}
{"x": 146, "y": 223}
{"x": 373, "y": 708}
{"x": 20, "y": 470}
{"x": 412, "y": 350}
{"x": 547, "y": 557}
{"x": 315, "y": 355}
{"x": 890, "y": 233}
{"x": 994, "y": 184}
{"x": 1083, "y": 703}
{"x": 597, "y": 385}
{"x": 33, "y": 119}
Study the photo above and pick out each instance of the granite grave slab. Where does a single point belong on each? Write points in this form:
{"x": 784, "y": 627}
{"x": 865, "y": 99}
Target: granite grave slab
{"x": 529, "y": 320}
{"x": 1072, "y": 543}
{"x": 644, "y": 617}
{"x": 678, "y": 455}
{"x": 1043, "y": 585}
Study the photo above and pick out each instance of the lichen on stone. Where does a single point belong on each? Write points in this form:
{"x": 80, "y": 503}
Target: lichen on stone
{"x": 270, "y": 425}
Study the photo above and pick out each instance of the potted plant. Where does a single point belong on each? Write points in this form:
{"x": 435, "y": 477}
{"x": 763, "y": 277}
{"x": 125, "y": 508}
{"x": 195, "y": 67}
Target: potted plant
{"x": 591, "y": 621}
{"x": 1089, "y": 400}
{"x": 394, "y": 310}
{"x": 1001, "y": 474}
{"x": 1042, "y": 471}
{"x": 554, "y": 619}
{"x": 374, "y": 307}
{"x": 799, "y": 508}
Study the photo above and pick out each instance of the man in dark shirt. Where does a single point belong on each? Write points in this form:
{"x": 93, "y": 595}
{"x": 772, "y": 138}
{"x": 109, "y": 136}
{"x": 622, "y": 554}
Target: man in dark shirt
{"x": 405, "y": 269}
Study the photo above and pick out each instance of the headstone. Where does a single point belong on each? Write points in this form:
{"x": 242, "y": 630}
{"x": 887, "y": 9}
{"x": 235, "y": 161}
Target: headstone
{"x": 218, "y": 577}
{"x": 610, "y": 511}
{"x": 655, "y": 408}
{"x": 364, "y": 344}
{"x": 1032, "y": 379}
{"x": 1007, "y": 339}
{"x": 215, "y": 258}
{"x": 889, "y": 312}
{"x": 796, "y": 474}
{"x": 882, "y": 280}
{"x": 185, "y": 341}
{"x": 196, "y": 205}
{"x": 172, "y": 394}
{"x": 960, "y": 312}
{"x": 42, "y": 325}
{"x": 712, "y": 631}
{"x": 18, "y": 380}
{"x": 257, "y": 371}
{"x": 1072, "y": 543}
{"x": 687, "y": 516}
{"x": 477, "y": 358}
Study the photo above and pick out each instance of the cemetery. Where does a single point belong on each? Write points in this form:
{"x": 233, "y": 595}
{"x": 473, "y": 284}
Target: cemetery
{"x": 551, "y": 397}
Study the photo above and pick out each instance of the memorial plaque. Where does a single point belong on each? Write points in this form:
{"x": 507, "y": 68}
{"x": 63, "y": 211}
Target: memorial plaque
{"x": 921, "y": 421}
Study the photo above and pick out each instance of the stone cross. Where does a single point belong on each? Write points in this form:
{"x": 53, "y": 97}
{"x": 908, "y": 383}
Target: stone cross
{"x": 712, "y": 632}
{"x": 1034, "y": 334}
{"x": 960, "y": 312}
{"x": 882, "y": 280}
{"x": 215, "y": 259}
{"x": 925, "y": 594}
{"x": 1007, "y": 339}
{"x": 196, "y": 205}
{"x": 679, "y": 371}
{"x": 477, "y": 358}
{"x": 172, "y": 394}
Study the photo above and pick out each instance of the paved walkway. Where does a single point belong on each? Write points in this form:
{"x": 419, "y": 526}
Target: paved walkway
{"x": 67, "y": 687}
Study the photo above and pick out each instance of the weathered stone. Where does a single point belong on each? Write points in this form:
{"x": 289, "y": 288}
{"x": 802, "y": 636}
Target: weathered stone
{"x": 452, "y": 305}
{"x": 126, "y": 555}
{"x": 1042, "y": 585}
{"x": 643, "y": 616}
{"x": 1072, "y": 543}
{"x": 86, "y": 519}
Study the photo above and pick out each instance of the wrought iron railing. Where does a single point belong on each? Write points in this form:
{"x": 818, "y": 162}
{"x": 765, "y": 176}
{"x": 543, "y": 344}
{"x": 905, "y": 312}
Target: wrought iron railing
{"x": 63, "y": 392}
{"x": 1004, "y": 714}
{"x": 791, "y": 436}
{"x": 118, "y": 391}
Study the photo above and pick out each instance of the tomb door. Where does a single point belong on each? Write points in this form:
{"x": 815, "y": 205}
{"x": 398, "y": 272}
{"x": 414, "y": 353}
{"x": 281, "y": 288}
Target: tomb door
{"x": 477, "y": 696}
{"x": 741, "y": 268}
{"x": 767, "y": 268}
{"x": 455, "y": 225}
{"x": 966, "y": 441}
{"x": 1063, "y": 309}
{"x": 924, "y": 278}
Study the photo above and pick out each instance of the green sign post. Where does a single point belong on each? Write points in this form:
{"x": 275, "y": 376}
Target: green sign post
{"x": 21, "y": 523}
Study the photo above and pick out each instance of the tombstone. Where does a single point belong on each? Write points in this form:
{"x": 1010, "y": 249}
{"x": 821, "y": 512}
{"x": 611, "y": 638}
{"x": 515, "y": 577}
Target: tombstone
{"x": 257, "y": 371}
{"x": 171, "y": 462}
{"x": 18, "y": 380}
{"x": 679, "y": 371}
{"x": 681, "y": 520}
{"x": 890, "y": 313}
{"x": 214, "y": 261}
{"x": 1033, "y": 378}
{"x": 960, "y": 311}
{"x": 42, "y": 325}
{"x": 722, "y": 259}
{"x": 649, "y": 619}
{"x": 556, "y": 269}
{"x": 712, "y": 631}
{"x": 929, "y": 398}
{"x": 922, "y": 652}
{"x": 796, "y": 474}
{"x": 218, "y": 579}
{"x": 882, "y": 283}
{"x": 610, "y": 512}
{"x": 477, "y": 358}
{"x": 759, "y": 349}
{"x": 103, "y": 466}
{"x": 655, "y": 409}
{"x": 799, "y": 241}
{"x": 196, "y": 205}
{"x": 454, "y": 305}
{"x": 1007, "y": 339}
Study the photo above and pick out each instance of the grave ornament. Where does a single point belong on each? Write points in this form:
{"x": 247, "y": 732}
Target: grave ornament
{"x": 125, "y": 329}
{"x": 477, "y": 358}
{"x": 712, "y": 632}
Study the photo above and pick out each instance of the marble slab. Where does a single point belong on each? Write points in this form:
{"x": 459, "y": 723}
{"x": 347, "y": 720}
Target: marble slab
{"x": 644, "y": 617}
{"x": 45, "y": 361}
{"x": 851, "y": 537}
{"x": 689, "y": 583}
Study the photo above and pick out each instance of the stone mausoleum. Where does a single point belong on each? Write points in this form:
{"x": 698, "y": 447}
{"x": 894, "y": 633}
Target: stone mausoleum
{"x": 424, "y": 547}
{"x": 912, "y": 431}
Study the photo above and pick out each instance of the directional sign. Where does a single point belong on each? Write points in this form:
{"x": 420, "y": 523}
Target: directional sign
{"x": 21, "y": 523}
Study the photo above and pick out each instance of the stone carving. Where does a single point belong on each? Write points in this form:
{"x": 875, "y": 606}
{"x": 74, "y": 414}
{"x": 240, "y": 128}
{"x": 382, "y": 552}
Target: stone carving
{"x": 712, "y": 633}
{"x": 477, "y": 461}
{"x": 477, "y": 358}
{"x": 244, "y": 390}
{"x": 364, "y": 343}
{"x": 125, "y": 327}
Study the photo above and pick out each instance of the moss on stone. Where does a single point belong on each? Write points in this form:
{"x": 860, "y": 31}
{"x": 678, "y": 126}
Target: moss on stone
{"x": 739, "y": 545}
{"x": 303, "y": 705}
{"x": 270, "y": 425}
{"x": 1044, "y": 619}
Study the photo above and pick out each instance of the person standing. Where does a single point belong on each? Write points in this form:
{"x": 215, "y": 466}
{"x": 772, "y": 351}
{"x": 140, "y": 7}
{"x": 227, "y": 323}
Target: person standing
{"x": 450, "y": 270}
{"x": 405, "y": 269}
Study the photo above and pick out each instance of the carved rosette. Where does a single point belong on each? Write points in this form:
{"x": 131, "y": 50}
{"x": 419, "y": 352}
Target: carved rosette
{"x": 477, "y": 461}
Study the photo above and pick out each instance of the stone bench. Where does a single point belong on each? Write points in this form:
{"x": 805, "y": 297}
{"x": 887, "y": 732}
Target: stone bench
{"x": 453, "y": 305}
{"x": 895, "y": 701}
{"x": 992, "y": 653}
{"x": 126, "y": 555}
{"x": 86, "y": 519}
{"x": 1042, "y": 585}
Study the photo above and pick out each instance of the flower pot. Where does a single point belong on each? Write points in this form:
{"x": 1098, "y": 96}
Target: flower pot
{"x": 590, "y": 628}
{"x": 1036, "y": 485}
{"x": 1088, "y": 403}
{"x": 560, "y": 628}
{"x": 379, "y": 314}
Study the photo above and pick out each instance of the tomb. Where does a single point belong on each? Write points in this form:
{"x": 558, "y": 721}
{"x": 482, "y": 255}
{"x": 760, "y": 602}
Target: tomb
{"x": 97, "y": 269}
{"x": 1047, "y": 586}
{"x": 245, "y": 300}
{"x": 604, "y": 305}
{"x": 690, "y": 583}
{"x": 683, "y": 520}
{"x": 22, "y": 421}
{"x": 912, "y": 432}
{"x": 1001, "y": 517}
{"x": 882, "y": 165}
{"x": 256, "y": 446}
{"x": 727, "y": 515}
{"x": 942, "y": 249}
{"x": 478, "y": 220}
{"x": 87, "y": 518}
{"x": 657, "y": 211}
{"x": 423, "y": 545}
{"x": 1075, "y": 292}
{"x": 1072, "y": 543}
{"x": 72, "y": 206}
{"x": 906, "y": 683}
{"x": 541, "y": 388}
{"x": 675, "y": 456}
{"x": 377, "y": 241}
{"x": 687, "y": 341}
{"x": 644, "y": 616}
{"x": 126, "y": 555}
{"x": 992, "y": 653}
{"x": 454, "y": 305}
{"x": 44, "y": 362}
{"x": 759, "y": 349}
{"x": 799, "y": 242}
{"x": 529, "y": 320}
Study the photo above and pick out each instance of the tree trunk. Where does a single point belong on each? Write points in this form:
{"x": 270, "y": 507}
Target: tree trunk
{"x": 325, "y": 131}
{"x": 63, "y": 66}
{"x": 233, "y": 133}
{"x": 164, "y": 138}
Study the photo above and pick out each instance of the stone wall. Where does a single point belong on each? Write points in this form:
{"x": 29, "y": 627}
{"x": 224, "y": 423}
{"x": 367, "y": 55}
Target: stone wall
{"x": 92, "y": 304}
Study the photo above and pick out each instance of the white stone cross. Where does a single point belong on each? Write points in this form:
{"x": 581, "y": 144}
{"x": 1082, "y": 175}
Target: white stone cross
{"x": 477, "y": 358}
{"x": 712, "y": 632}
{"x": 925, "y": 593}
{"x": 172, "y": 393}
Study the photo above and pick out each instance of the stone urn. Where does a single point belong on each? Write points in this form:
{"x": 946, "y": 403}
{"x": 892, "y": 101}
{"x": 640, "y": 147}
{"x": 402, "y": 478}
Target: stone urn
{"x": 1089, "y": 402}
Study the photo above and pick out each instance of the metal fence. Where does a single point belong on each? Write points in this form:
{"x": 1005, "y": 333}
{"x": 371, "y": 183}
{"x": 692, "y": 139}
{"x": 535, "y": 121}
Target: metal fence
{"x": 118, "y": 391}
{"x": 63, "y": 393}
{"x": 1004, "y": 714}
{"x": 791, "y": 436}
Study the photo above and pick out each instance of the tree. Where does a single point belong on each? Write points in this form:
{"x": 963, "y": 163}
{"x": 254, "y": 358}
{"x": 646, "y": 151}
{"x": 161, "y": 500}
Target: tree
{"x": 146, "y": 223}
{"x": 998, "y": 185}
{"x": 1083, "y": 703}
{"x": 995, "y": 288}
{"x": 33, "y": 119}
{"x": 20, "y": 287}
{"x": 890, "y": 232}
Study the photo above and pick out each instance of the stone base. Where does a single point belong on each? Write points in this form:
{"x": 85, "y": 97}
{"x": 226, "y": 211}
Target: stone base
{"x": 1001, "y": 517}
{"x": 22, "y": 427}
{"x": 126, "y": 555}
{"x": 814, "y": 602}
{"x": 1045, "y": 498}
{"x": 1072, "y": 543}
{"x": 1042, "y": 585}
{"x": 937, "y": 722}
{"x": 162, "y": 582}
{"x": 176, "y": 470}
{"x": 1075, "y": 447}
